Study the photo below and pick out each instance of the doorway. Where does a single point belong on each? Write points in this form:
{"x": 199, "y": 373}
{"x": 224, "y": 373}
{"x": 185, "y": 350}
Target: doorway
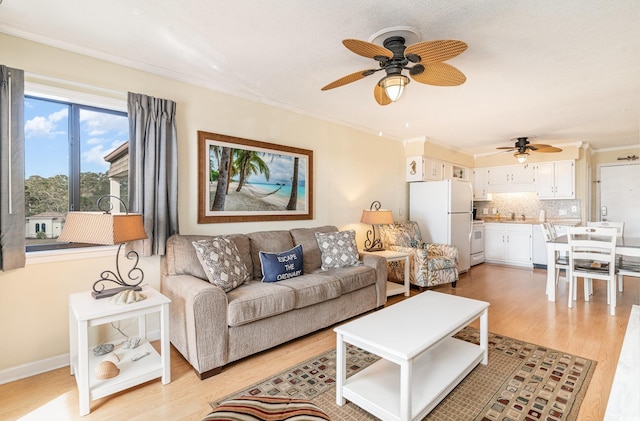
{"x": 619, "y": 195}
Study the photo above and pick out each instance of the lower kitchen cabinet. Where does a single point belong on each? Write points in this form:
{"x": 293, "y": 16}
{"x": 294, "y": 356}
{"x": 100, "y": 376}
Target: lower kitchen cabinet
{"x": 508, "y": 243}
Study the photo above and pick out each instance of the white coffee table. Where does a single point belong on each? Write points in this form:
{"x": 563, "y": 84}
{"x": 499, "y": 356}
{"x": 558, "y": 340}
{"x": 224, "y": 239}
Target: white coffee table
{"x": 421, "y": 363}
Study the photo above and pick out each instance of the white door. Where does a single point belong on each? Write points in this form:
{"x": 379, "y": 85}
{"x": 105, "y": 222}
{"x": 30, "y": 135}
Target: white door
{"x": 620, "y": 196}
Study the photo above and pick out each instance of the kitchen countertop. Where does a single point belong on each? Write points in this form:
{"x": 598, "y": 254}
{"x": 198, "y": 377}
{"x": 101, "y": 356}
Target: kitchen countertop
{"x": 556, "y": 221}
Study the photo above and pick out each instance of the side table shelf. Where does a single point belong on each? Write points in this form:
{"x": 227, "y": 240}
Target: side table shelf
{"x": 394, "y": 288}
{"x": 131, "y": 373}
{"x": 86, "y": 312}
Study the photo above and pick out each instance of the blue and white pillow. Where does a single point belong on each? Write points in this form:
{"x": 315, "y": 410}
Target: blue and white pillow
{"x": 280, "y": 266}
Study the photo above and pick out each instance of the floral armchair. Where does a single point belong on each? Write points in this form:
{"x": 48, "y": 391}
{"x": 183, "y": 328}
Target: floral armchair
{"x": 430, "y": 264}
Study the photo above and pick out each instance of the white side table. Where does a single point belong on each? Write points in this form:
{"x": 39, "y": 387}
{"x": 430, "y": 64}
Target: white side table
{"x": 395, "y": 256}
{"x": 84, "y": 312}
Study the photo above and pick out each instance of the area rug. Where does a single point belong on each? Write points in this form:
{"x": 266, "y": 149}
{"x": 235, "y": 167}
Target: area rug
{"x": 522, "y": 382}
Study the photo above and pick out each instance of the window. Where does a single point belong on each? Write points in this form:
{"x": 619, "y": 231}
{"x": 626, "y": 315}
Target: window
{"x": 74, "y": 154}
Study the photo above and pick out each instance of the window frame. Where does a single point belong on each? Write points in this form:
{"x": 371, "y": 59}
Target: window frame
{"x": 106, "y": 101}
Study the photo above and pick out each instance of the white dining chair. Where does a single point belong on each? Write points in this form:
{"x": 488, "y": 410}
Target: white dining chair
{"x": 562, "y": 262}
{"x": 619, "y": 226}
{"x": 592, "y": 255}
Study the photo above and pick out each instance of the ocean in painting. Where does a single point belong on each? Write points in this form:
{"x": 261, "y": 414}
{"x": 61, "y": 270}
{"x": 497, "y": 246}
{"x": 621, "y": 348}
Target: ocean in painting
{"x": 284, "y": 193}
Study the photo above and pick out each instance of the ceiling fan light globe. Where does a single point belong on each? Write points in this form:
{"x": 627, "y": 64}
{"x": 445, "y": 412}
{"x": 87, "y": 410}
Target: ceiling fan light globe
{"x": 521, "y": 157}
{"x": 393, "y": 86}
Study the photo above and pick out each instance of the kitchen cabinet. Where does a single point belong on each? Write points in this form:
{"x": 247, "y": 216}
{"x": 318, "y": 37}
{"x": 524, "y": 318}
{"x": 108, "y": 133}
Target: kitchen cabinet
{"x": 480, "y": 183}
{"x": 555, "y": 180}
{"x": 509, "y": 244}
{"x": 455, "y": 171}
{"x": 433, "y": 169}
{"x": 422, "y": 168}
{"x": 512, "y": 179}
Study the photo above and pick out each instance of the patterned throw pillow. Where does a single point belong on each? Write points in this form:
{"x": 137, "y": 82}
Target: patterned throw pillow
{"x": 280, "y": 266}
{"x": 338, "y": 249}
{"x": 221, "y": 262}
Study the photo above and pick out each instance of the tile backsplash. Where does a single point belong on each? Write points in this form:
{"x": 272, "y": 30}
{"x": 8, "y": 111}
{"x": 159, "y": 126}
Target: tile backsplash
{"x": 527, "y": 204}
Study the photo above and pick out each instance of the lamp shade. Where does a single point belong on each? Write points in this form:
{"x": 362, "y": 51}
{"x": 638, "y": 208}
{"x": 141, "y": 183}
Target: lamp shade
{"x": 521, "y": 156}
{"x": 376, "y": 217}
{"x": 393, "y": 86}
{"x": 102, "y": 228}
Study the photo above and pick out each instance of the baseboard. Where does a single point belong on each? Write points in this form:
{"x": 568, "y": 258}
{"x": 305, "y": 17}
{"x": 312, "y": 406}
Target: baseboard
{"x": 42, "y": 366}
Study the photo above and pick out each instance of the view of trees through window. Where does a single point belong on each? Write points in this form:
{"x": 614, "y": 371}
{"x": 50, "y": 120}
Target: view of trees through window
{"x": 74, "y": 154}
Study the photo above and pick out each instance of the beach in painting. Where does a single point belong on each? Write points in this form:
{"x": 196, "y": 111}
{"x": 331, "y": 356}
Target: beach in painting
{"x": 259, "y": 197}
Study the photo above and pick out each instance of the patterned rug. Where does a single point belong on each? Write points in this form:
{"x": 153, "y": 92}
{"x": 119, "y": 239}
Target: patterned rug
{"x": 522, "y": 382}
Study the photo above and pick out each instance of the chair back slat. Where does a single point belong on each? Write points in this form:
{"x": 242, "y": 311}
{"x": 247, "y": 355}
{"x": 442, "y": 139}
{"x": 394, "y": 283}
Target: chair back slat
{"x": 619, "y": 226}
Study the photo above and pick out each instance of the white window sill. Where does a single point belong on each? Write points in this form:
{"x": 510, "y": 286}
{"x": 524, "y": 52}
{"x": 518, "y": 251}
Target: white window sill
{"x": 50, "y": 256}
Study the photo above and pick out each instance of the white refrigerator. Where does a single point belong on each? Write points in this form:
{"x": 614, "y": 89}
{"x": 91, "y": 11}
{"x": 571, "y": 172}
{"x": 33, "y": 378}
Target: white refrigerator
{"x": 444, "y": 213}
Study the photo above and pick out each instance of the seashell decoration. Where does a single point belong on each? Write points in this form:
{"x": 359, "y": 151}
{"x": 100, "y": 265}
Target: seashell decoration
{"x": 127, "y": 297}
{"x": 106, "y": 370}
{"x": 113, "y": 357}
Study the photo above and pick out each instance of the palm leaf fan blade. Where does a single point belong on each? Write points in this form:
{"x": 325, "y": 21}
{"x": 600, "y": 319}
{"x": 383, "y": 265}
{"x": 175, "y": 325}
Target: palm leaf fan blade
{"x": 346, "y": 79}
{"x": 436, "y": 51}
{"x": 381, "y": 96}
{"x": 440, "y": 74}
{"x": 366, "y": 49}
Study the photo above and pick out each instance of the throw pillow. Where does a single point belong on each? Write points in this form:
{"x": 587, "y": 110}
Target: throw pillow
{"x": 338, "y": 249}
{"x": 221, "y": 262}
{"x": 280, "y": 266}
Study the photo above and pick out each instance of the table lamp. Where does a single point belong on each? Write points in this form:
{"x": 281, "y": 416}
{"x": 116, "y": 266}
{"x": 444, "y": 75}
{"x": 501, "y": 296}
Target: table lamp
{"x": 375, "y": 216}
{"x": 107, "y": 228}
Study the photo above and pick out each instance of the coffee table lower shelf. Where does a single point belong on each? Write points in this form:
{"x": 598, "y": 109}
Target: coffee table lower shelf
{"x": 435, "y": 373}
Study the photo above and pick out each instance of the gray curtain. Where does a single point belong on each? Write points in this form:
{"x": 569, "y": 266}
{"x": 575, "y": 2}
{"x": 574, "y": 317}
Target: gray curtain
{"x": 12, "y": 220}
{"x": 153, "y": 170}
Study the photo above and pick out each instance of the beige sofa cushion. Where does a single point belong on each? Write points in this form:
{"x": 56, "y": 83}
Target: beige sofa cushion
{"x": 313, "y": 288}
{"x": 352, "y": 278}
{"x": 270, "y": 242}
{"x": 310, "y": 249}
{"x": 257, "y": 300}
{"x": 182, "y": 258}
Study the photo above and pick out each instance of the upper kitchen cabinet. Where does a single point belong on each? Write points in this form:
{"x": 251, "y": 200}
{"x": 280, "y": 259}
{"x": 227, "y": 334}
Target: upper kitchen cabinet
{"x": 421, "y": 168}
{"x": 455, "y": 171}
{"x": 414, "y": 169}
{"x": 556, "y": 180}
{"x": 433, "y": 169}
{"x": 511, "y": 179}
{"x": 480, "y": 183}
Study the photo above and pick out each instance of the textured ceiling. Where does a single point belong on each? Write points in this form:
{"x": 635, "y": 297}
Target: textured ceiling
{"x": 563, "y": 71}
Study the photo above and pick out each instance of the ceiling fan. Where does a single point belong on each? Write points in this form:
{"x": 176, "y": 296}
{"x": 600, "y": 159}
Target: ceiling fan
{"x": 423, "y": 60}
{"x": 523, "y": 146}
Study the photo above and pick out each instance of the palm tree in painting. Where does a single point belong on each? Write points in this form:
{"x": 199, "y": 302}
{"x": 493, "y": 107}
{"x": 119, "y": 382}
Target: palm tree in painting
{"x": 293, "y": 198}
{"x": 247, "y": 163}
{"x": 224, "y": 177}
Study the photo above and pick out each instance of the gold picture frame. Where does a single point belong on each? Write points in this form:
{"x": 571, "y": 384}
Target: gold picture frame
{"x": 243, "y": 180}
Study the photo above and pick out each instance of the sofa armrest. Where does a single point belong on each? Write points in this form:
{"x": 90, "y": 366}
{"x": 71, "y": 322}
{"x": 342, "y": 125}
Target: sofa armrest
{"x": 379, "y": 263}
{"x": 198, "y": 320}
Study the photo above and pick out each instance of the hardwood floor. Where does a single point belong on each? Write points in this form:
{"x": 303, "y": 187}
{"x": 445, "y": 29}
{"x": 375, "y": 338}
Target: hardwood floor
{"x": 519, "y": 309}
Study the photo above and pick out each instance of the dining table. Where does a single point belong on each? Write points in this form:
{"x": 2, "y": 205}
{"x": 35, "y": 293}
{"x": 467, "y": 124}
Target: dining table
{"x": 625, "y": 246}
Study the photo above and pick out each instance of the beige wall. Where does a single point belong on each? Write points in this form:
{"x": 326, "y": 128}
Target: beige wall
{"x": 351, "y": 169}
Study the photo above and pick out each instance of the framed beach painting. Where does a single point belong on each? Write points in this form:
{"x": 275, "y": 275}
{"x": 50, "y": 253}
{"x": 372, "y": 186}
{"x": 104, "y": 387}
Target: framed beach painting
{"x": 242, "y": 180}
